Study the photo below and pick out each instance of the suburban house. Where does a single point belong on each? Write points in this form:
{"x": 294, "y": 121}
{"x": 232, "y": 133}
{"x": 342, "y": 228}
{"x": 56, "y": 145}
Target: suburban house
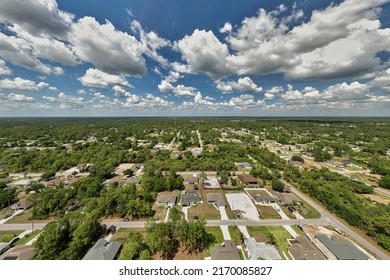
{"x": 264, "y": 198}
{"x": 103, "y": 250}
{"x": 168, "y": 200}
{"x": 20, "y": 252}
{"x": 133, "y": 180}
{"x": 215, "y": 198}
{"x": 243, "y": 165}
{"x": 225, "y": 251}
{"x": 351, "y": 164}
{"x": 304, "y": 249}
{"x": 260, "y": 250}
{"x": 21, "y": 205}
{"x": 287, "y": 198}
{"x": 248, "y": 180}
{"x": 190, "y": 198}
{"x": 192, "y": 180}
{"x": 211, "y": 183}
{"x": 342, "y": 249}
{"x": 25, "y": 182}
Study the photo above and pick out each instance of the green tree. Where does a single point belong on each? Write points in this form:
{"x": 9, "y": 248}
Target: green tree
{"x": 297, "y": 158}
{"x": 385, "y": 182}
{"x": 47, "y": 175}
{"x": 277, "y": 185}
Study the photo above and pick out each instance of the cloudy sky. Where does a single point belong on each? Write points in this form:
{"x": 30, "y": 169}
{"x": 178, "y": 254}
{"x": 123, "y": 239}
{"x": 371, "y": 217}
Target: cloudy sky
{"x": 194, "y": 58}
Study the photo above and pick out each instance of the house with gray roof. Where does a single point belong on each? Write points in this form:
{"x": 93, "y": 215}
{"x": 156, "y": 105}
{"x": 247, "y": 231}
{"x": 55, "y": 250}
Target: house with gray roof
{"x": 190, "y": 198}
{"x": 103, "y": 250}
{"x": 304, "y": 249}
{"x": 243, "y": 165}
{"x": 225, "y": 251}
{"x": 215, "y": 198}
{"x": 168, "y": 200}
{"x": 260, "y": 250}
{"x": 342, "y": 249}
{"x": 264, "y": 199}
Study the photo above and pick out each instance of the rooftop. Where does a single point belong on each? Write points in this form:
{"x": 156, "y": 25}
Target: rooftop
{"x": 225, "y": 251}
{"x": 342, "y": 249}
{"x": 247, "y": 179}
{"x": 216, "y": 198}
{"x": 261, "y": 250}
{"x": 243, "y": 165}
{"x": 103, "y": 250}
{"x": 304, "y": 249}
{"x": 166, "y": 198}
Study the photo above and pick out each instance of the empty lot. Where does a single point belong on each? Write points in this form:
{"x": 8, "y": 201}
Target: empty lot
{"x": 241, "y": 202}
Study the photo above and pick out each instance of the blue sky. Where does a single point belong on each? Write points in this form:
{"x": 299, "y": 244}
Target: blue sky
{"x": 194, "y": 58}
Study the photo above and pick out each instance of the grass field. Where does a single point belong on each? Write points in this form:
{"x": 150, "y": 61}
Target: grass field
{"x": 235, "y": 233}
{"x": 161, "y": 212}
{"x": 121, "y": 234}
{"x": 308, "y": 212}
{"x": 7, "y": 236}
{"x": 261, "y": 234}
{"x": 217, "y": 233}
{"x": 25, "y": 218}
{"x": 205, "y": 211}
{"x": 28, "y": 237}
{"x": 267, "y": 212}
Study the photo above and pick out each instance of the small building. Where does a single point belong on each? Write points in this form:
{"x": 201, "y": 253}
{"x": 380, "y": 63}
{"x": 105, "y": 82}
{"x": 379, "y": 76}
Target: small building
{"x": 350, "y": 163}
{"x": 304, "y": 249}
{"x": 211, "y": 183}
{"x": 243, "y": 165}
{"x": 264, "y": 199}
{"x": 260, "y": 250}
{"x": 168, "y": 200}
{"x": 20, "y": 252}
{"x": 103, "y": 251}
{"x": 193, "y": 180}
{"x": 287, "y": 198}
{"x": 342, "y": 249}
{"x": 215, "y": 198}
{"x": 190, "y": 198}
{"x": 25, "y": 182}
{"x": 248, "y": 180}
{"x": 133, "y": 180}
{"x": 225, "y": 251}
{"x": 22, "y": 204}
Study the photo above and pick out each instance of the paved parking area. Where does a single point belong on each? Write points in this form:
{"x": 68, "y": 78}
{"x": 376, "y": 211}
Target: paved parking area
{"x": 241, "y": 202}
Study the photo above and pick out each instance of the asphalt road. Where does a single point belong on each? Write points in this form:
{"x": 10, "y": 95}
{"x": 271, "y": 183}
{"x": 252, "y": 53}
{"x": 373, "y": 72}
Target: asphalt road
{"x": 330, "y": 219}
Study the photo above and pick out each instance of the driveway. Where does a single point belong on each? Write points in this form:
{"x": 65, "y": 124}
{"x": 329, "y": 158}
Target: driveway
{"x": 185, "y": 211}
{"x": 241, "y": 202}
{"x": 222, "y": 210}
{"x": 3, "y": 221}
{"x": 225, "y": 232}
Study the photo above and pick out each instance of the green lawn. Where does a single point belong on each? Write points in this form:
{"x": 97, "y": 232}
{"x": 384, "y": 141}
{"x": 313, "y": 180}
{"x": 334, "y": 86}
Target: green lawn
{"x": 380, "y": 195}
{"x": 122, "y": 233}
{"x": 261, "y": 234}
{"x": 217, "y": 232}
{"x": 7, "y": 236}
{"x": 308, "y": 212}
{"x": 267, "y": 212}
{"x": 28, "y": 237}
{"x": 25, "y": 218}
{"x": 235, "y": 233}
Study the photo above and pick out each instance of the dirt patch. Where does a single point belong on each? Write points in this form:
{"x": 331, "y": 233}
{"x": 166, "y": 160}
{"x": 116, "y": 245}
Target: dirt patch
{"x": 181, "y": 255}
{"x": 122, "y": 167}
{"x": 375, "y": 198}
